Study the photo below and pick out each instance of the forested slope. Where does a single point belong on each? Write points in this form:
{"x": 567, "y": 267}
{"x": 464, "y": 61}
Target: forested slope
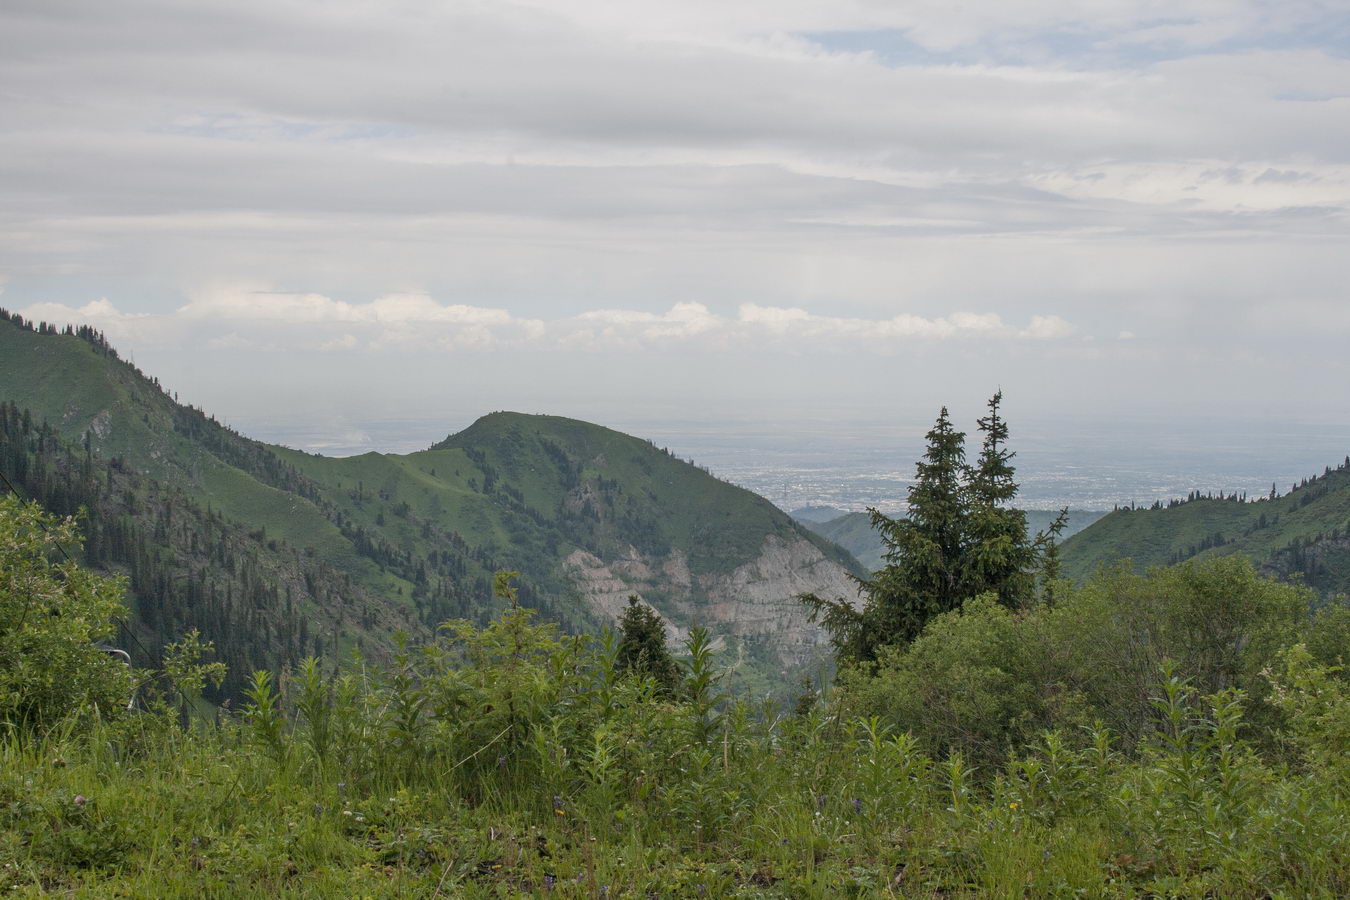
{"x": 1302, "y": 534}
{"x": 585, "y": 514}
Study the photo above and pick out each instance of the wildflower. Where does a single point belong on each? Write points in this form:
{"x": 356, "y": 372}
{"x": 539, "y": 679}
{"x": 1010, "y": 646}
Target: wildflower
{"x": 857, "y": 804}
{"x": 79, "y": 800}
{"x": 360, "y": 818}
{"x": 1012, "y": 805}
{"x": 549, "y": 881}
{"x": 346, "y": 812}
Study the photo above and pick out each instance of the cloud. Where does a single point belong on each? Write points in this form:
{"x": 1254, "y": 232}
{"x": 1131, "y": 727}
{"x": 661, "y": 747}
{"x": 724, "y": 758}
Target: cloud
{"x": 269, "y": 320}
{"x": 702, "y": 175}
{"x": 343, "y": 342}
{"x": 1046, "y": 328}
{"x": 798, "y": 322}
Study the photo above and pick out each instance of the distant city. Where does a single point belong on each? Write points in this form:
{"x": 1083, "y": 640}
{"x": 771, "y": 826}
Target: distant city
{"x": 852, "y": 466}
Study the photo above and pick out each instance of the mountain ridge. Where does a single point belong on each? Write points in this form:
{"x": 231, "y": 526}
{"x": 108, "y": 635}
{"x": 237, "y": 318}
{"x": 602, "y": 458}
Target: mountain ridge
{"x": 1301, "y": 535}
{"x": 585, "y": 513}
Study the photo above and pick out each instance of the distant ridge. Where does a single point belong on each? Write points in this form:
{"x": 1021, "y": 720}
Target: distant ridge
{"x": 1303, "y": 534}
{"x": 360, "y": 546}
{"x": 854, "y": 532}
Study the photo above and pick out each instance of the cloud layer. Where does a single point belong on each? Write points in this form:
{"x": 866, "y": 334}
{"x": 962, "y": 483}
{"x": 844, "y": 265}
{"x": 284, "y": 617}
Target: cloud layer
{"x": 241, "y": 318}
{"x": 767, "y": 175}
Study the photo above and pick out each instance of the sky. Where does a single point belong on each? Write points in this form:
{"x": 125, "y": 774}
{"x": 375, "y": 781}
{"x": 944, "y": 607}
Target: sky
{"x": 325, "y": 214}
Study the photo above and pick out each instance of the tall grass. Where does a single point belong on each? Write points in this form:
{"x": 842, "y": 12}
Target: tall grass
{"x": 510, "y": 761}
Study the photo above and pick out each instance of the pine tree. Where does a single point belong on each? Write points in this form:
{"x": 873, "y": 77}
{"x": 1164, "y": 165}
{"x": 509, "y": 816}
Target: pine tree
{"x": 961, "y": 538}
{"x": 642, "y": 647}
{"x": 1000, "y": 557}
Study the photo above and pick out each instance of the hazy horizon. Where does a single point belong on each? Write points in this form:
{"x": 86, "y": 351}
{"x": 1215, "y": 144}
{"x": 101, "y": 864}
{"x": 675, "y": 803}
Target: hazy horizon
{"x": 852, "y": 465}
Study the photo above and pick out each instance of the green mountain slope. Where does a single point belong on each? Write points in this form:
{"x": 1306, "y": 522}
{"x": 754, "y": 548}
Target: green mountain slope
{"x": 587, "y": 516}
{"x": 854, "y": 532}
{"x": 1304, "y": 533}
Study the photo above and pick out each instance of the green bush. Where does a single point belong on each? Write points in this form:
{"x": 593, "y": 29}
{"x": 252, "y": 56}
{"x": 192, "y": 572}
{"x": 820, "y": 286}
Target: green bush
{"x": 984, "y": 680}
{"x": 1217, "y": 622}
{"x": 52, "y": 615}
{"x": 966, "y": 684}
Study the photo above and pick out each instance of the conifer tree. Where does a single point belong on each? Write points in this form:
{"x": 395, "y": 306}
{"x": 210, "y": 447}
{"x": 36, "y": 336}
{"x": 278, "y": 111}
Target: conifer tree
{"x": 1000, "y": 557}
{"x": 961, "y": 538}
{"x": 642, "y": 647}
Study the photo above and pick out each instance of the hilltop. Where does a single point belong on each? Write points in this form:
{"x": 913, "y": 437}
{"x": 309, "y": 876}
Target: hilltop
{"x": 854, "y": 532}
{"x": 318, "y": 553}
{"x": 1303, "y": 534}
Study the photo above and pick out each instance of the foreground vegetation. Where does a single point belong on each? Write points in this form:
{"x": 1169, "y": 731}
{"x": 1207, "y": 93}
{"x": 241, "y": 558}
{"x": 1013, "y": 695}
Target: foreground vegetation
{"x": 1180, "y": 734}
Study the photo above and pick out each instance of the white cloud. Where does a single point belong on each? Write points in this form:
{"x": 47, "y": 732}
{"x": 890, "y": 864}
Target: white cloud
{"x": 905, "y": 326}
{"x": 343, "y": 342}
{"x": 1044, "y": 328}
{"x": 261, "y": 319}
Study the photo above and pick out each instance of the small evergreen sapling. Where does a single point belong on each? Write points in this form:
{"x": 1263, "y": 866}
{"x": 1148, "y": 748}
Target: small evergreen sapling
{"x": 642, "y": 647}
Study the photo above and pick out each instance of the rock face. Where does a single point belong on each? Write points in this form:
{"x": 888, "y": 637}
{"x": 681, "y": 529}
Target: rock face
{"x": 757, "y": 601}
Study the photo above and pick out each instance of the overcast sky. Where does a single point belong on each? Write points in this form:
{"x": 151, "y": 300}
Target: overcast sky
{"x": 661, "y": 211}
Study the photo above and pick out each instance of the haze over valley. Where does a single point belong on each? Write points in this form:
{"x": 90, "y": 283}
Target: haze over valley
{"x": 854, "y": 464}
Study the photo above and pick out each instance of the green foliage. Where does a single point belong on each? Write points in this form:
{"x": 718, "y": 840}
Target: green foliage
{"x": 508, "y": 760}
{"x": 984, "y": 679}
{"x": 701, "y": 685}
{"x": 966, "y": 684}
{"x": 1217, "y": 621}
{"x": 52, "y": 616}
{"x": 642, "y": 648}
{"x": 187, "y": 672}
{"x": 803, "y": 807}
{"x": 1316, "y": 702}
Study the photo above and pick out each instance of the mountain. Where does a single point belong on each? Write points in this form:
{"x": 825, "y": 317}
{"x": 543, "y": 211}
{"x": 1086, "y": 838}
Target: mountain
{"x": 1301, "y": 535}
{"x": 274, "y": 552}
{"x": 816, "y": 513}
{"x": 854, "y": 532}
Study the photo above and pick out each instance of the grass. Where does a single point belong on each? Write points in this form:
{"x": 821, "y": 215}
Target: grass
{"x": 514, "y": 762}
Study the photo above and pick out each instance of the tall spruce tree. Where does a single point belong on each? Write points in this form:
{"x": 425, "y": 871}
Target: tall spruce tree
{"x": 961, "y": 538}
{"x": 999, "y": 555}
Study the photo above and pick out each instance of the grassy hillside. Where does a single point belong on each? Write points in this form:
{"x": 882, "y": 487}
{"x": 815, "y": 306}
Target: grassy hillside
{"x": 854, "y": 532}
{"x": 1304, "y": 533}
{"x": 553, "y": 460}
{"x": 417, "y": 535}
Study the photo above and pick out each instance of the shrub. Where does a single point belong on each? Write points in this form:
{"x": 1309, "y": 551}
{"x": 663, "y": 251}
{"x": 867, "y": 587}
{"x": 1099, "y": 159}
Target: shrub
{"x": 52, "y": 614}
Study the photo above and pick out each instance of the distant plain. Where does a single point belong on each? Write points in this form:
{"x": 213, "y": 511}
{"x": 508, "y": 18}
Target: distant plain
{"x": 852, "y": 465}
